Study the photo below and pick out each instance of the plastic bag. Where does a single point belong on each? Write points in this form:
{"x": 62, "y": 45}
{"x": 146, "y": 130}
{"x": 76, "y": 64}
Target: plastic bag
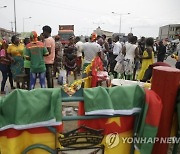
{"x": 62, "y": 77}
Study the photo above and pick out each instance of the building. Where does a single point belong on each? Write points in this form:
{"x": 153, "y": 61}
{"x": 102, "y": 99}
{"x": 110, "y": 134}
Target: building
{"x": 7, "y": 34}
{"x": 99, "y": 31}
{"x": 169, "y": 31}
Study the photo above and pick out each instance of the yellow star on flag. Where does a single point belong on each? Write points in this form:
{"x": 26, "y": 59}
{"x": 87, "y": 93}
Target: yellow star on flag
{"x": 117, "y": 120}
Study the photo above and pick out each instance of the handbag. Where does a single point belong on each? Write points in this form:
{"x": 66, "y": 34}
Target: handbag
{"x": 119, "y": 67}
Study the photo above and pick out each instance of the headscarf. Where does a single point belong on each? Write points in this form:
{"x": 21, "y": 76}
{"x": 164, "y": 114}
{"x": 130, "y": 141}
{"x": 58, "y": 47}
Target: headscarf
{"x": 93, "y": 36}
{"x": 34, "y": 35}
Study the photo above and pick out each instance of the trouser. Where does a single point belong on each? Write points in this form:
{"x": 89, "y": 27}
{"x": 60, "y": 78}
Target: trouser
{"x": 6, "y": 72}
{"x": 112, "y": 65}
{"x": 79, "y": 63}
{"x": 49, "y": 75}
{"x": 27, "y": 71}
{"x": 33, "y": 77}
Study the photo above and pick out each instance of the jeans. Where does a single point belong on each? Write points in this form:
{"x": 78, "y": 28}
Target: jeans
{"x": 33, "y": 77}
{"x": 49, "y": 75}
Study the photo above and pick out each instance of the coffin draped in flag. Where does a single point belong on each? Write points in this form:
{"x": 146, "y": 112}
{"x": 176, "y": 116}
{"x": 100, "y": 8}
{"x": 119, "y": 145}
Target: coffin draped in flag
{"x": 122, "y": 100}
{"x": 24, "y": 117}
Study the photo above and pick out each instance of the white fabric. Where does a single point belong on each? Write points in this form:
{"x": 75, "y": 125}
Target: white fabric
{"x": 117, "y": 48}
{"x": 130, "y": 51}
{"x": 79, "y": 46}
{"x": 114, "y": 112}
{"x": 90, "y": 50}
{"x": 51, "y": 122}
{"x": 129, "y": 58}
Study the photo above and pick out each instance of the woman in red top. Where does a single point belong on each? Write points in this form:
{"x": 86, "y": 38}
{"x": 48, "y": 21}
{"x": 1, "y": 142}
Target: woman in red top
{"x": 5, "y": 62}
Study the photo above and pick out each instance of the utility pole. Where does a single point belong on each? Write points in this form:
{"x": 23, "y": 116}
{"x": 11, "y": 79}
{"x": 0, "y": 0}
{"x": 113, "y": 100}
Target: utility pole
{"x": 131, "y": 30}
{"x": 15, "y": 16}
{"x": 12, "y": 25}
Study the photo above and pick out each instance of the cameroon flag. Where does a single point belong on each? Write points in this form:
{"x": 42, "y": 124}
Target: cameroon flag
{"x": 104, "y": 101}
{"x": 24, "y": 118}
{"x": 122, "y": 100}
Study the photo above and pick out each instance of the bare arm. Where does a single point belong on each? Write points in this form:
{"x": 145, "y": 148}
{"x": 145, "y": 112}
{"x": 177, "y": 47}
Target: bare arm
{"x": 149, "y": 51}
{"x": 137, "y": 52}
{"x": 49, "y": 49}
{"x": 124, "y": 50}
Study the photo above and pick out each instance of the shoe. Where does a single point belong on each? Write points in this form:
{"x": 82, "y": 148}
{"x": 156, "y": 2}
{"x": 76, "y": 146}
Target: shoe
{"x": 3, "y": 92}
{"x": 13, "y": 87}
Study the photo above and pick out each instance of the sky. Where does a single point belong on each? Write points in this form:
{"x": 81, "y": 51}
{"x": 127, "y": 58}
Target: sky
{"x": 145, "y": 18}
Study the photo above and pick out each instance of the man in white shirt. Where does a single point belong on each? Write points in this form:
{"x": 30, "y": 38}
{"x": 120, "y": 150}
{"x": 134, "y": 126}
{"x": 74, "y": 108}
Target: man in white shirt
{"x": 90, "y": 50}
{"x": 79, "y": 46}
{"x": 116, "y": 50}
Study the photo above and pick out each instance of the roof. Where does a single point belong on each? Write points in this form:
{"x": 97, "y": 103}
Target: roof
{"x": 171, "y": 25}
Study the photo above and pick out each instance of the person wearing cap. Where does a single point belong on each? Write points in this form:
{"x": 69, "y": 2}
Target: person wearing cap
{"x": 90, "y": 50}
{"x": 35, "y": 52}
{"x": 49, "y": 60}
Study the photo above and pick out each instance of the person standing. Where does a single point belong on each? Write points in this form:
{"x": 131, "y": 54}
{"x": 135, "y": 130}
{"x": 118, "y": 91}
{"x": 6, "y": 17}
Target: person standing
{"x": 70, "y": 58}
{"x": 15, "y": 50}
{"x": 161, "y": 52}
{"x": 131, "y": 52}
{"x": 178, "y": 53}
{"x": 79, "y": 45}
{"x": 58, "y": 55}
{"x": 105, "y": 50}
{"x": 5, "y": 62}
{"x": 91, "y": 50}
{"x": 116, "y": 50}
{"x": 35, "y": 52}
{"x": 147, "y": 58}
{"x": 27, "y": 63}
{"x": 49, "y": 60}
{"x": 142, "y": 45}
{"x": 110, "y": 54}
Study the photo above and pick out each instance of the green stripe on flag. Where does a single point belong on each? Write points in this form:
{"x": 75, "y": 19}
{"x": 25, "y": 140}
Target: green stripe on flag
{"x": 24, "y": 109}
{"x": 124, "y": 100}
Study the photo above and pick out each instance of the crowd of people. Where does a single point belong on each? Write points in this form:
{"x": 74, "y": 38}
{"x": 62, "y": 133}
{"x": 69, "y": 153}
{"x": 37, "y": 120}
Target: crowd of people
{"x": 43, "y": 56}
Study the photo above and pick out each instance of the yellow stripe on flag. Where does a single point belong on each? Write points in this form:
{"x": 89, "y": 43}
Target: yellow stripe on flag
{"x": 17, "y": 144}
{"x": 115, "y": 145}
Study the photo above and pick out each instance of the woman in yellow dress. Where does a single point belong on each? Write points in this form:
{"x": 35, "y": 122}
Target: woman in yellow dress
{"x": 15, "y": 50}
{"x": 147, "y": 58}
